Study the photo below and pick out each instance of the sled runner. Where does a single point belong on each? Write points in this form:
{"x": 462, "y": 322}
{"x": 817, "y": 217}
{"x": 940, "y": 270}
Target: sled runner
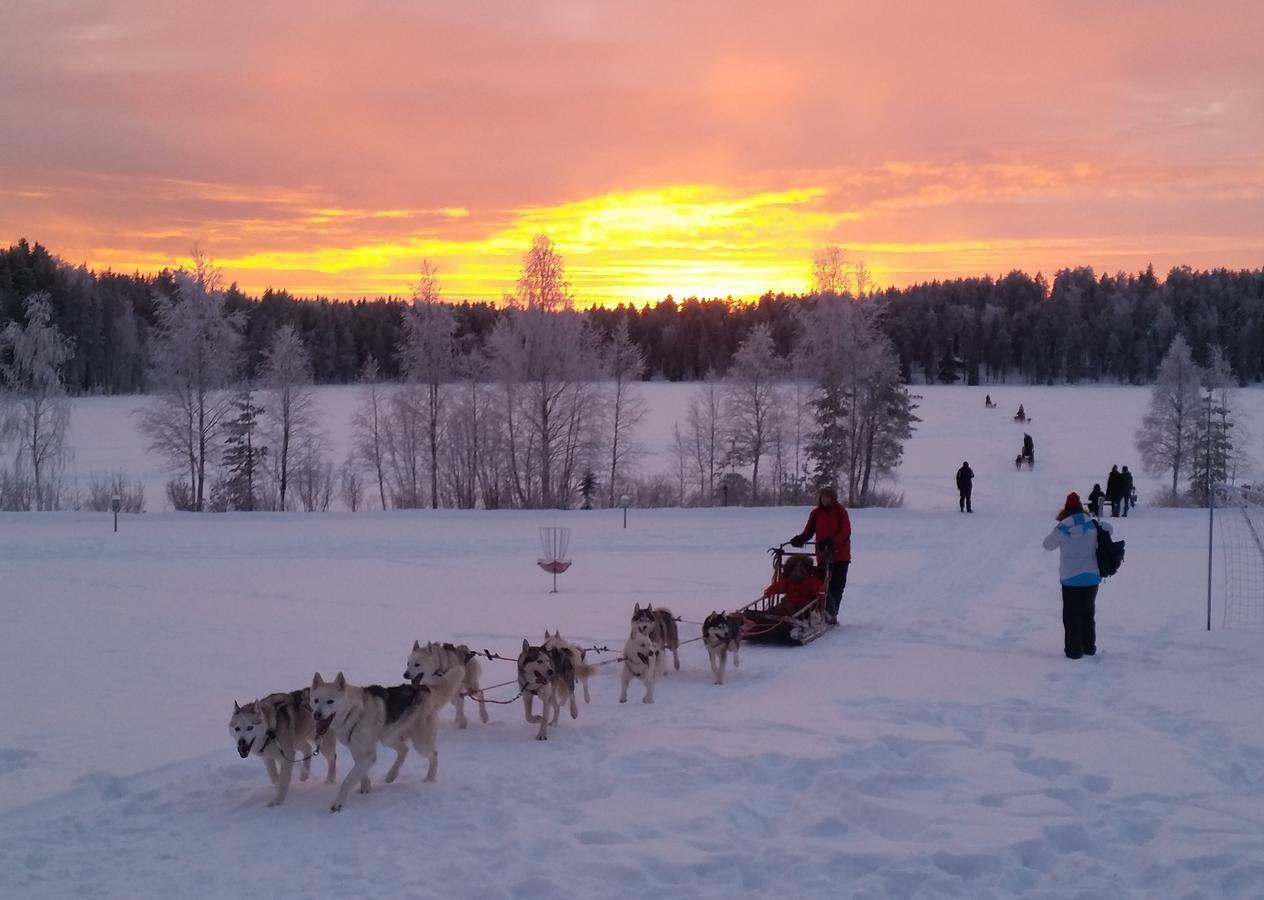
{"x": 768, "y": 621}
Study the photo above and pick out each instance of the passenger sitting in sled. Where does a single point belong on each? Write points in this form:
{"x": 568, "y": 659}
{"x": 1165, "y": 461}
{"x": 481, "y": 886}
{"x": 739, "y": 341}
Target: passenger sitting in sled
{"x": 798, "y": 587}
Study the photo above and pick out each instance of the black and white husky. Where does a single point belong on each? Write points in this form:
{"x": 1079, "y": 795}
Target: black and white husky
{"x": 583, "y": 671}
{"x": 722, "y": 633}
{"x": 549, "y": 675}
{"x": 659, "y": 625}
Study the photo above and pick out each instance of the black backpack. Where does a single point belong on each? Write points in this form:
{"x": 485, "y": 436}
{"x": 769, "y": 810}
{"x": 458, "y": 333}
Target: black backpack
{"x": 1110, "y": 552}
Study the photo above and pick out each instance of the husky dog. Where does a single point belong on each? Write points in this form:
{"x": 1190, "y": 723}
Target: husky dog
{"x": 363, "y": 717}
{"x": 277, "y": 729}
{"x": 660, "y": 626}
{"x": 451, "y": 672}
{"x": 549, "y": 675}
{"x": 722, "y": 634}
{"x": 639, "y": 661}
{"x": 583, "y": 671}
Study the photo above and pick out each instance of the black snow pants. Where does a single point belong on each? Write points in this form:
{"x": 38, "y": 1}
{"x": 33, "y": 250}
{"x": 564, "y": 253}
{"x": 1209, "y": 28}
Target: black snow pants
{"x": 964, "y": 500}
{"x": 837, "y": 584}
{"x": 1078, "y": 625}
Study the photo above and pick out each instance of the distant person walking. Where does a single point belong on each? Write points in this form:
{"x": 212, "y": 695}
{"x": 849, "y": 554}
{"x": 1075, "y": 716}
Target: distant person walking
{"x": 1095, "y": 498}
{"x": 1114, "y": 490}
{"x": 965, "y": 483}
{"x": 1075, "y": 539}
{"x": 1130, "y": 491}
{"x": 829, "y": 523}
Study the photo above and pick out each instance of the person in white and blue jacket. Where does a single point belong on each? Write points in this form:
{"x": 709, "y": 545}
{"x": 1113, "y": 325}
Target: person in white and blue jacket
{"x": 1075, "y": 537}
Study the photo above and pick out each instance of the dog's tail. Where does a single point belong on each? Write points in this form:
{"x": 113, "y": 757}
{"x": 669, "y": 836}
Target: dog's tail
{"x": 585, "y": 670}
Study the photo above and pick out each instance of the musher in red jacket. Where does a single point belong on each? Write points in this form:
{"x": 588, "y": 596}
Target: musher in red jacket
{"x": 831, "y": 526}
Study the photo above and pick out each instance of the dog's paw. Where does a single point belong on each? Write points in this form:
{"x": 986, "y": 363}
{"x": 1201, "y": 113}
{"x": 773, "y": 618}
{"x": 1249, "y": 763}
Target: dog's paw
{"x": 541, "y": 737}
{"x": 623, "y": 699}
{"x": 462, "y": 724}
{"x": 389, "y": 779}
{"x": 366, "y": 788}
{"x": 335, "y": 808}
{"x": 275, "y": 802}
{"x": 331, "y": 778}
{"x": 648, "y": 700}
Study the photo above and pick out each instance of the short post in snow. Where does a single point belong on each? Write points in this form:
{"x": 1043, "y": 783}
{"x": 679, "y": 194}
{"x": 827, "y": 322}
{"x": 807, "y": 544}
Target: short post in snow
{"x": 625, "y": 501}
{"x": 115, "y": 505}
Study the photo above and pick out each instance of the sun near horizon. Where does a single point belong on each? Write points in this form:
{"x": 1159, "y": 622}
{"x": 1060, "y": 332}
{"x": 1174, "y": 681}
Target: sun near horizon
{"x": 704, "y": 151}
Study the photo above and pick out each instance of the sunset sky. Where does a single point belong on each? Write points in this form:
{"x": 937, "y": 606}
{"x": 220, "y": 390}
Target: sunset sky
{"x": 691, "y": 148}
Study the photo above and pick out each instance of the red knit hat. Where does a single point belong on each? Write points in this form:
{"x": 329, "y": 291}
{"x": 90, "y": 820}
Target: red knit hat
{"x": 1073, "y": 502}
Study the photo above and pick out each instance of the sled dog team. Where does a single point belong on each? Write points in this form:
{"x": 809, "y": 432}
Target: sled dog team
{"x": 287, "y": 729}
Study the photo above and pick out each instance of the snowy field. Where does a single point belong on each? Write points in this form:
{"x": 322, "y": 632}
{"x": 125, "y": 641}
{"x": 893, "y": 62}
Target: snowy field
{"x": 936, "y": 745}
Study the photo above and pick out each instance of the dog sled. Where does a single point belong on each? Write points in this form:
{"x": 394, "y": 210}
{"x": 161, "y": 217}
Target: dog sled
{"x": 769, "y": 621}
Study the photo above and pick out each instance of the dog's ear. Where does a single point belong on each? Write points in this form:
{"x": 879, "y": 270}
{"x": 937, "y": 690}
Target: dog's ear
{"x": 416, "y": 645}
{"x": 340, "y": 681}
{"x": 236, "y": 708}
{"x": 636, "y": 608}
{"x": 526, "y": 645}
{"x": 317, "y": 681}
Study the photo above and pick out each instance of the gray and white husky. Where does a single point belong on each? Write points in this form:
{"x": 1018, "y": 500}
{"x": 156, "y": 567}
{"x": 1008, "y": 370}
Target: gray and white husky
{"x": 583, "y": 671}
{"x": 279, "y": 729}
{"x": 363, "y": 717}
{"x": 639, "y": 661}
{"x": 450, "y": 671}
{"x": 722, "y": 633}
{"x": 659, "y": 625}
{"x": 549, "y": 675}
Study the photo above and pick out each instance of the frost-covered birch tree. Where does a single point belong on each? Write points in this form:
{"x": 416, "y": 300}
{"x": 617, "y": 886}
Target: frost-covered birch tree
{"x": 624, "y": 364}
{"x": 428, "y": 356}
{"x": 705, "y": 432}
{"x": 752, "y": 398}
{"x": 289, "y": 404}
{"x": 368, "y": 426}
{"x": 34, "y": 411}
{"x": 195, "y": 362}
{"x": 545, "y": 357}
{"x": 1168, "y": 434}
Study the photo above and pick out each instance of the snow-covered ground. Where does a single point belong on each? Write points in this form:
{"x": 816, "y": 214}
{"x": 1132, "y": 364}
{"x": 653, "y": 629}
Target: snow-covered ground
{"x": 937, "y": 745}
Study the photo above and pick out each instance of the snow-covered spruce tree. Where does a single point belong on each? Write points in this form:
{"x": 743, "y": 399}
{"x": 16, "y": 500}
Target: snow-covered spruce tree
{"x": 624, "y": 364}
{"x": 368, "y": 427}
{"x": 1168, "y": 436}
{"x": 243, "y": 457}
{"x": 706, "y": 434}
{"x": 546, "y": 358}
{"x": 1216, "y": 450}
{"x": 428, "y": 358}
{"x": 752, "y": 400}
{"x": 34, "y": 411}
{"x": 195, "y": 361}
{"x": 863, "y": 413}
{"x": 289, "y": 405}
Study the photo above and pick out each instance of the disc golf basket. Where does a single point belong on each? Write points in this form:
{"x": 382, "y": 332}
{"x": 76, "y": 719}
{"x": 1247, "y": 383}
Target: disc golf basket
{"x": 553, "y": 543}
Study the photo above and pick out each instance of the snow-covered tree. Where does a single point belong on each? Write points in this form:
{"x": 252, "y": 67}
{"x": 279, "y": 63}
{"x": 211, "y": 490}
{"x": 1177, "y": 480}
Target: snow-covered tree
{"x": 863, "y": 412}
{"x": 289, "y": 403}
{"x": 706, "y": 434}
{"x": 243, "y": 456}
{"x": 368, "y": 427}
{"x": 195, "y": 362}
{"x": 34, "y": 411}
{"x": 1168, "y": 436}
{"x": 830, "y": 273}
{"x": 428, "y": 357}
{"x": 1216, "y": 452}
{"x": 545, "y": 357}
{"x": 752, "y": 399}
{"x": 624, "y": 364}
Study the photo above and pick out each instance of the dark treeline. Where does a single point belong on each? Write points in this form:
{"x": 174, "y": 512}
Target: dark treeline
{"x": 970, "y": 330}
